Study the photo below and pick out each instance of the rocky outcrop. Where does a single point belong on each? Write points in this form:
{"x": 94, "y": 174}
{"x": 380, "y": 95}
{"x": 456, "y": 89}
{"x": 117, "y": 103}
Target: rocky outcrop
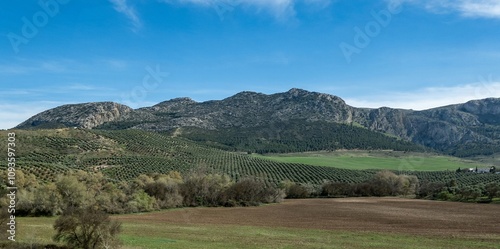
{"x": 88, "y": 115}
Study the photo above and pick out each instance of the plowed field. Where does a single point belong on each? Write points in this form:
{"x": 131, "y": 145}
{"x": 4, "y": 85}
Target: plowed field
{"x": 393, "y": 215}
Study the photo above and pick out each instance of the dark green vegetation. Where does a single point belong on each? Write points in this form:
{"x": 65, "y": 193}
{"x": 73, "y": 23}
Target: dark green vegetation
{"x": 297, "y": 136}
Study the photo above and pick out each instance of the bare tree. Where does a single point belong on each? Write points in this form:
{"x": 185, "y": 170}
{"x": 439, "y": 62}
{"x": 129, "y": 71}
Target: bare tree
{"x": 87, "y": 229}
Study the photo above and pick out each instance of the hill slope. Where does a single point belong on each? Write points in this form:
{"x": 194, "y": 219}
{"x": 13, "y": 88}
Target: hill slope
{"x": 125, "y": 154}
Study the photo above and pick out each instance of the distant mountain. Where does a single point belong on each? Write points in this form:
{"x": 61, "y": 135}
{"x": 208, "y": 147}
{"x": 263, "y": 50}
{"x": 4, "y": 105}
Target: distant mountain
{"x": 468, "y": 129}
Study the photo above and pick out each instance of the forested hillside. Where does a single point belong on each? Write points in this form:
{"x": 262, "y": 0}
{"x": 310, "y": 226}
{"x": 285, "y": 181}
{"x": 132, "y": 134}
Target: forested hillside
{"x": 297, "y": 136}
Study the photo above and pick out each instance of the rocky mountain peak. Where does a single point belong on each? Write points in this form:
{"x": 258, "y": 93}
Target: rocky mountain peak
{"x": 490, "y": 106}
{"x": 182, "y": 100}
{"x": 246, "y": 95}
{"x": 295, "y": 92}
{"x": 87, "y": 115}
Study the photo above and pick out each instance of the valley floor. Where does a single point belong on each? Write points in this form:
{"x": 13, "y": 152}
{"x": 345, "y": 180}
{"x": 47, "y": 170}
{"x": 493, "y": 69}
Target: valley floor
{"x": 310, "y": 223}
{"x": 377, "y": 159}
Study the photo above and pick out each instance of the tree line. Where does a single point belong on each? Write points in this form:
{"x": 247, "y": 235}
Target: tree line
{"x": 383, "y": 183}
{"x": 83, "y": 200}
{"x": 81, "y": 189}
{"x": 387, "y": 183}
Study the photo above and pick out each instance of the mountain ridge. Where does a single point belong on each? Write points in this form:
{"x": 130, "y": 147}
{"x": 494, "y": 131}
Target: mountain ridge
{"x": 472, "y": 127}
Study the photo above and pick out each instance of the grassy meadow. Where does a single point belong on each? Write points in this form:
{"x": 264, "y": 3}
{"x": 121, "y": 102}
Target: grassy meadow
{"x": 149, "y": 235}
{"x": 391, "y": 160}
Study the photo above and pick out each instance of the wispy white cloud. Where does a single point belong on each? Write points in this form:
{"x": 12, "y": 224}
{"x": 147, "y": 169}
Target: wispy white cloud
{"x": 47, "y": 91}
{"x": 81, "y": 87}
{"x": 14, "y": 69}
{"x": 467, "y": 8}
{"x": 116, "y": 64}
{"x": 25, "y": 66}
{"x": 430, "y": 97}
{"x": 22, "y": 66}
{"x": 14, "y": 92}
{"x": 122, "y": 6}
{"x": 484, "y": 8}
{"x": 280, "y": 9}
{"x": 53, "y": 66}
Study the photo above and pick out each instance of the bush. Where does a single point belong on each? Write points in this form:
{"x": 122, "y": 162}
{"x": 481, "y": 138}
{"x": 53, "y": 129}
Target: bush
{"x": 204, "y": 190}
{"x": 384, "y": 183}
{"x": 48, "y": 201}
{"x": 492, "y": 190}
{"x": 74, "y": 193}
{"x": 141, "y": 202}
{"x": 430, "y": 190}
{"x": 166, "y": 191}
{"x": 469, "y": 194}
{"x": 445, "y": 196}
{"x": 336, "y": 189}
{"x": 297, "y": 191}
{"x": 251, "y": 192}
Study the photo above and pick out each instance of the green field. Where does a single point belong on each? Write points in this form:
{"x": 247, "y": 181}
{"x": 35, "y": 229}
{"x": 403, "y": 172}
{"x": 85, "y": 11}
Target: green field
{"x": 391, "y": 160}
{"x": 139, "y": 234}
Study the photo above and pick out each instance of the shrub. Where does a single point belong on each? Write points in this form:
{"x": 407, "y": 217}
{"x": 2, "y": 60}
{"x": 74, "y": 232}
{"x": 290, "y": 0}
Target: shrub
{"x": 250, "y": 192}
{"x": 141, "y": 202}
{"x": 48, "y": 201}
{"x": 445, "y": 196}
{"x": 296, "y": 191}
{"x": 204, "y": 190}
{"x": 492, "y": 190}
{"x": 430, "y": 190}
{"x": 74, "y": 193}
{"x": 166, "y": 191}
{"x": 336, "y": 189}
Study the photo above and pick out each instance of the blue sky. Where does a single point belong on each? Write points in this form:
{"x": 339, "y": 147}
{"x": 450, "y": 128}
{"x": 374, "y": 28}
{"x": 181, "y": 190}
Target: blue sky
{"x": 372, "y": 53}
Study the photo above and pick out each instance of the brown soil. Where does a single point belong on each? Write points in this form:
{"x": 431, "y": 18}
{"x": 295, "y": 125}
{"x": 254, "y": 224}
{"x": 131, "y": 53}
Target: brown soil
{"x": 350, "y": 214}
